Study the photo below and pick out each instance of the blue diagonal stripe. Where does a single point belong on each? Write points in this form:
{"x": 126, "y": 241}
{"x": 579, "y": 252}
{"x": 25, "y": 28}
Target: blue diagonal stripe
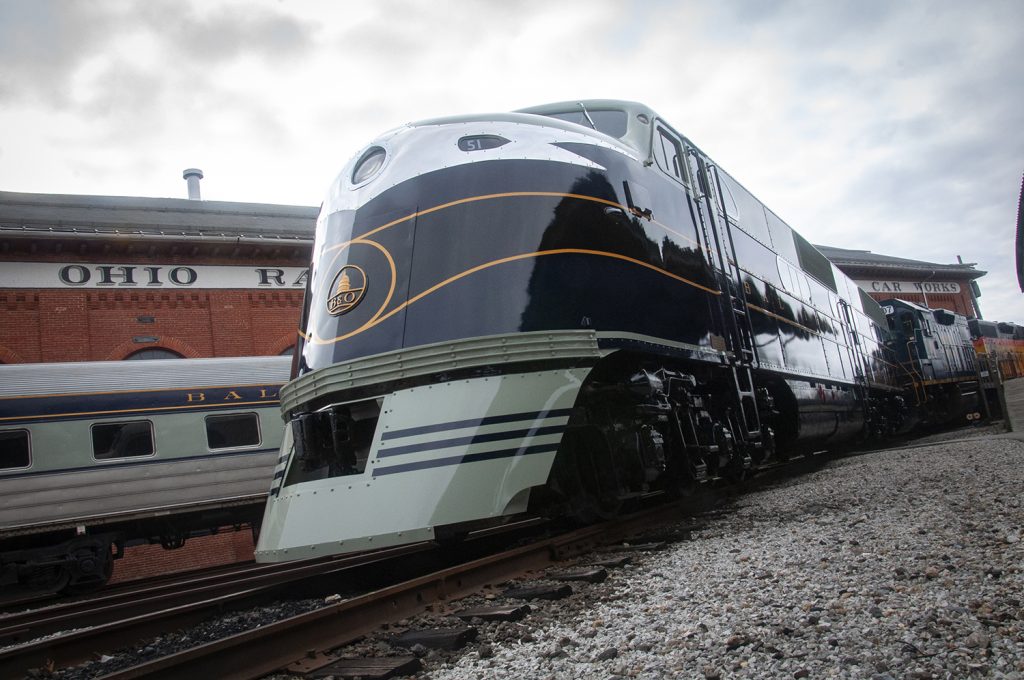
{"x": 475, "y": 422}
{"x": 467, "y": 458}
{"x": 465, "y": 441}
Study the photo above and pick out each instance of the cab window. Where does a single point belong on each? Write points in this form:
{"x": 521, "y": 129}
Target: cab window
{"x": 608, "y": 121}
{"x": 668, "y": 152}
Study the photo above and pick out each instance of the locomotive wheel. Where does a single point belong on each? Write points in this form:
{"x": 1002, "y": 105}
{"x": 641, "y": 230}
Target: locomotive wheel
{"x": 587, "y": 476}
{"x": 89, "y": 585}
{"x": 53, "y": 579}
{"x": 91, "y": 566}
{"x": 735, "y": 472}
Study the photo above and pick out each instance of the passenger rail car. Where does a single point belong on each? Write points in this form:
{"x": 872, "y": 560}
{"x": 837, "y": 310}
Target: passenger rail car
{"x": 934, "y": 350}
{"x": 95, "y": 455}
{"x": 562, "y": 309}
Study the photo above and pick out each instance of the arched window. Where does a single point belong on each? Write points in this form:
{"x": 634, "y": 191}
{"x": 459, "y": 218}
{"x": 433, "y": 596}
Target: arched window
{"x": 154, "y": 353}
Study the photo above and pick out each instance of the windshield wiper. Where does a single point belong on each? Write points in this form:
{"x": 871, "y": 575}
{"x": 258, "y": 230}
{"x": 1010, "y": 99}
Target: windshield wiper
{"x": 585, "y": 113}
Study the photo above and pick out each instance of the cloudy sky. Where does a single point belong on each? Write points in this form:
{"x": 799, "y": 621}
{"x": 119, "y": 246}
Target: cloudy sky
{"x": 891, "y": 126}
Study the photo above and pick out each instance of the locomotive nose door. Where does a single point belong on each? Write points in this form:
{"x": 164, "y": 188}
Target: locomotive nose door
{"x": 355, "y": 302}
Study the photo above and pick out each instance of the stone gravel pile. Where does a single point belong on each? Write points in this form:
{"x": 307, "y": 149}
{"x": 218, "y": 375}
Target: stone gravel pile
{"x": 898, "y": 564}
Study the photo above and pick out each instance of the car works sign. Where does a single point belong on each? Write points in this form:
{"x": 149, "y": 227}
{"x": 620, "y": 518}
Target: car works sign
{"x": 917, "y": 287}
{"x": 70, "y": 275}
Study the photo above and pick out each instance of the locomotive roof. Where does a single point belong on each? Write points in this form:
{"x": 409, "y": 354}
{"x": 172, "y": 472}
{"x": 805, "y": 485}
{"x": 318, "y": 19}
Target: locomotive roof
{"x": 526, "y": 117}
{"x": 637, "y": 137}
{"x": 899, "y": 302}
{"x": 24, "y": 380}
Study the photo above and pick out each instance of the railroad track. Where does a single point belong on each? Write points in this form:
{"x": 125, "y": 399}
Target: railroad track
{"x": 111, "y": 621}
{"x": 19, "y": 603}
{"x": 140, "y": 598}
{"x": 303, "y": 643}
{"x": 106, "y": 624}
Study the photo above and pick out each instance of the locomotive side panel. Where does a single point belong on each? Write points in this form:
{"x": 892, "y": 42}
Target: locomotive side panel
{"x": 761, "y": 284}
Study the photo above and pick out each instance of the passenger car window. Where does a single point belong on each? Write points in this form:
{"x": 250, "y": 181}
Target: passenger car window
{"x": 122, "y": 440}
{"x": 226, "y": 432}
{"x": 14, "y": 450}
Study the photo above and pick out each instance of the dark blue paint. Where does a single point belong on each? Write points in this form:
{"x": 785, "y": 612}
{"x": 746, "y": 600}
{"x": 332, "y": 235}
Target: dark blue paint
{"x": 466, "y": 441}
{"x": 48, "y": 408}
{"x": 468, "y": 458}
{"x": 475, "y": 422}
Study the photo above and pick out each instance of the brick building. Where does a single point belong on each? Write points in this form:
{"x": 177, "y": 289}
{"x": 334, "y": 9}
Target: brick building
{"x": 86, "y": 278}
{"x": 945, "y": 286}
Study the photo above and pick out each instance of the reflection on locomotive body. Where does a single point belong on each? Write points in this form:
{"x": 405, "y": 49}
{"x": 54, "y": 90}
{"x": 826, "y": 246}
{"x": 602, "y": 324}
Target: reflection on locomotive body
{"x": 566, "y": 309}
{"x": 1001, "y": 346}
{"x": 96, "y": 456}
{"x": 938, "y": 362}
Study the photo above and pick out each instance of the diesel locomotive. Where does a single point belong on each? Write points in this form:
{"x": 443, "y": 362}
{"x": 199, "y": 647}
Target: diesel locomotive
{"x": 96, "y": 456}
{"x": 562, "y": 310}
{"x": 934, "y": 350}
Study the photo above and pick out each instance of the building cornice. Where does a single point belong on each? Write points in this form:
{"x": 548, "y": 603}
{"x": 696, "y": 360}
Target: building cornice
{"x": 866, "y": 263}
{"x": 59, "y": 216}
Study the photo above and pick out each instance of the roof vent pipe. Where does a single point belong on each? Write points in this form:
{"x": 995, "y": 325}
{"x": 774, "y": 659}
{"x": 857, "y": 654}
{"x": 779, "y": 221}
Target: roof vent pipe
{"x": 192, "y": 176}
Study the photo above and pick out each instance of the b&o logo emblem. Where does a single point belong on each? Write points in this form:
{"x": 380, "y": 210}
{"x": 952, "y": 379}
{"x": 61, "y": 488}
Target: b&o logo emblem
{"x": 347, "y": 290}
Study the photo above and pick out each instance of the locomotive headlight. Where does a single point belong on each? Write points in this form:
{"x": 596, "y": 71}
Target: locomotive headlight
{"x": 369, "y": 164}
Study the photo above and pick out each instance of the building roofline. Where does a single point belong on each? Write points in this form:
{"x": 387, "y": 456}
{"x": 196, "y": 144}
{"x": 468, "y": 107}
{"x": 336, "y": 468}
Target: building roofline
{"x": 155, "y": 204}
{"x": 873, "y": 261}
{"x": 60, "y": 215}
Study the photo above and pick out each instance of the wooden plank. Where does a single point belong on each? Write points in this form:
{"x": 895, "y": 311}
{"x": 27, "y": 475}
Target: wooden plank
{"x": 593, "y": 575}
{"x": 639, "y": 547}
{"x": 436, "y": 638}
{"x": 676, "y": 535}
{"x": 505, "y": 613}
{"x": 614, "y": 562}
{"x": 370, "y": 668}
{"x": 543, "y": 592}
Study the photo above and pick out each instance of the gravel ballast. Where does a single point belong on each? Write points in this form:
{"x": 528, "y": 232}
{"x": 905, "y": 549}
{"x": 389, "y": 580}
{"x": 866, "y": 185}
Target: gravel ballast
{"x": 898, "y": 564}
{"x": 904, "y": 563}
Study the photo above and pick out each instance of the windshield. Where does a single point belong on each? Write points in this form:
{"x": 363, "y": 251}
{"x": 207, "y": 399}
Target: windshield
{"x": 609, "y": 121}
